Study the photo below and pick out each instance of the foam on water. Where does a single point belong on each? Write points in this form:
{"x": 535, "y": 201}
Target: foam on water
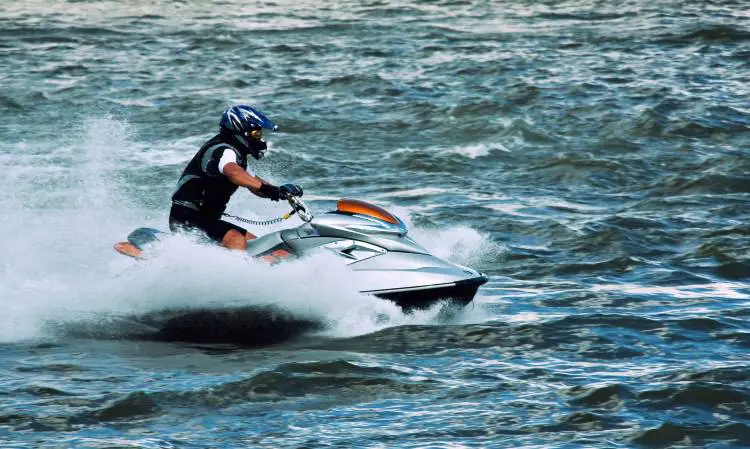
{"x": 476, "y": 151}
{"x": 59, "y": 267}
{"x": 458, "y": 244}
{"x": 59, "y": 219}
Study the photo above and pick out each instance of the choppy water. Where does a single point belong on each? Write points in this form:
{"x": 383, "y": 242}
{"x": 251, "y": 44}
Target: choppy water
{"x": 591, "y": 157}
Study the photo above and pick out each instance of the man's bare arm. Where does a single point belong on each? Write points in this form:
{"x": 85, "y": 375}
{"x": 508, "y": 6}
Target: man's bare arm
{"x": 237, "y": 175}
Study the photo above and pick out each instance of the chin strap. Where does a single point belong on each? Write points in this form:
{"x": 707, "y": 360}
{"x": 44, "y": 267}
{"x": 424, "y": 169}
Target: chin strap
{"x": 286, "y": 216}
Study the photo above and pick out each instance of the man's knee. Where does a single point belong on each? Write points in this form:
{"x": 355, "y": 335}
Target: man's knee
{"x": 234, "y": 239}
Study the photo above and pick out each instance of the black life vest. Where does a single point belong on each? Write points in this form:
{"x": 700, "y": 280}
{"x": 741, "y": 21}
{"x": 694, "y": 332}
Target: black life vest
{"x": 202, "y": 187}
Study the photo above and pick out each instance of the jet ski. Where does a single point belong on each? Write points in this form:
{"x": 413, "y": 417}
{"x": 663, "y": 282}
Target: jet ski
{"x": 385, "y": 261}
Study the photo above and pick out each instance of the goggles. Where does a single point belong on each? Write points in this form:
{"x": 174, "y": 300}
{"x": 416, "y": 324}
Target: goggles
{"x": 255, "y": 133}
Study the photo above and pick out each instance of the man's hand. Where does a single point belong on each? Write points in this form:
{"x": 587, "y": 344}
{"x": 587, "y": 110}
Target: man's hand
{"x": 287, "y": 190}
{"x": 270, "y": 191}
{"x": 274, "y": 193}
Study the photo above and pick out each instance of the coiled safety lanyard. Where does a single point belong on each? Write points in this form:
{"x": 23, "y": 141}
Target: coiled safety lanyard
{"x": 286, "y": 216}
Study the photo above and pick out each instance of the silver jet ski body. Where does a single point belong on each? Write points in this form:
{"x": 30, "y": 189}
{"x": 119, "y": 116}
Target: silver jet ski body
{"x": 375, "y": 246}
{"x": 384, "y": 260}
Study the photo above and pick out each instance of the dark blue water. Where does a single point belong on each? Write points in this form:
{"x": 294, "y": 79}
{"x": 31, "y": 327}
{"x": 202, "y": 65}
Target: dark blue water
{"x": 590, "y": 157}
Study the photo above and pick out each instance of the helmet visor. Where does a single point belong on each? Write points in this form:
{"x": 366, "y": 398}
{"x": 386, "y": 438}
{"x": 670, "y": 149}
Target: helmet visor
{"x": 255, "y": 134}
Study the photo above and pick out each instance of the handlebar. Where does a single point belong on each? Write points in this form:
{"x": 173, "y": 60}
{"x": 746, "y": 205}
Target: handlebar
{"x": 300, "y": 208}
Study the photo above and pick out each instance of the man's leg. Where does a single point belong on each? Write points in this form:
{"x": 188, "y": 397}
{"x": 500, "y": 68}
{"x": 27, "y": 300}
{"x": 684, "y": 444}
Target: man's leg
{"x": 227, "y": 234}
{"x": 234, "y": 239}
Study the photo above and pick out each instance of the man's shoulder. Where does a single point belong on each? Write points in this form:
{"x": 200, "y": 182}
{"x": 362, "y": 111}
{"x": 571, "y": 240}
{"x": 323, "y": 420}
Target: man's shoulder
{"x": 217, "y": 142}
{"x": 218, "y": 147}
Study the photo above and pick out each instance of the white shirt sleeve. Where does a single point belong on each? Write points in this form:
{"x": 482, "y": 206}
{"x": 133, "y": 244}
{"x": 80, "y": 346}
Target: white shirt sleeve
{"x": 230, "y": 156}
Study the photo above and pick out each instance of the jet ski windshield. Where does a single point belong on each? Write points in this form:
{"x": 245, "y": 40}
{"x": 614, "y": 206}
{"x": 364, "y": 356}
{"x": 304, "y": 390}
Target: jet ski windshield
{"x": 350, "y": 206}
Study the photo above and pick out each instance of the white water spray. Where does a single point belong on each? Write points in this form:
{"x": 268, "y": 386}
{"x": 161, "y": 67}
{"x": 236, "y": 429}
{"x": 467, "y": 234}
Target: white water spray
{"x": 66, "y": 204}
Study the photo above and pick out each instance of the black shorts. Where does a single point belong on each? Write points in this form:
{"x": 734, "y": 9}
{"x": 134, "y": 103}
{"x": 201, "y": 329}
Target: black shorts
{"x": 183, "y": 218}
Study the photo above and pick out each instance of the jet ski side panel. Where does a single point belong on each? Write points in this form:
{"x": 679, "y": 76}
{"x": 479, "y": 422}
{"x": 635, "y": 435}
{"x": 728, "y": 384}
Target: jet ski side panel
{"x": 265, "y": 244}
{"x": 416, "y": 280}
{"x": 384, "y": 235}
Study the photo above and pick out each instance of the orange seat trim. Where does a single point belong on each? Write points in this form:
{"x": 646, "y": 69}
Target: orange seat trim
{"x": 364, "y": 208}
{"x": 127, "y": 249}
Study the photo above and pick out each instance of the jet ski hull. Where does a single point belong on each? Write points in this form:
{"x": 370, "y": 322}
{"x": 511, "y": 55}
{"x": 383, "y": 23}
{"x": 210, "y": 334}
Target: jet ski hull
{"x": 458, "y": 293}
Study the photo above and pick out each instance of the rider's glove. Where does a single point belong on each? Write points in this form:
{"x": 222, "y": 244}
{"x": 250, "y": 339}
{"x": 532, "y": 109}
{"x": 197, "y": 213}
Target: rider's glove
{"x": 287, "y": 190}
{"x": 272, "y": 192}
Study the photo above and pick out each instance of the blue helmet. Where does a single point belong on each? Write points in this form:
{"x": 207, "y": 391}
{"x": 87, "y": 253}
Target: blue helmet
{"x": 244, "y": 125}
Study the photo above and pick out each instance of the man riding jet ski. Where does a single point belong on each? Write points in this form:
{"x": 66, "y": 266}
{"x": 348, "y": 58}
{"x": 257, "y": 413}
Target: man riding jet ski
{"x": 215, "y": 172}
{"x": 384, "y": 261}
